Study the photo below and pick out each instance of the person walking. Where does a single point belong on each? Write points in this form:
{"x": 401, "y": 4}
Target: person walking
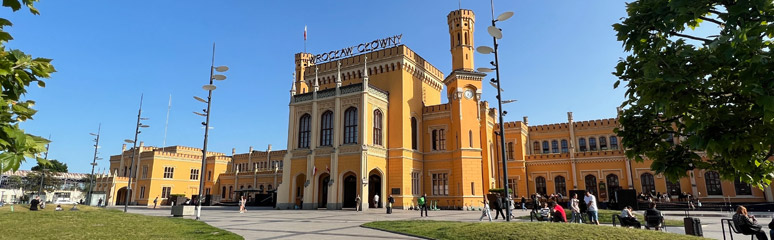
{"x": 511, "y": 206}
{"x": 485, "y": 212}
{"x": 499, "y": 206}
{"x": 357, "y": 203}
{"x": 34, "y": 203}
{"x": 376, "y": 200}
{"x": 390, "y": 201}
{"x": 523, "y": 203}
{"x": 422, "y": 205}
{"x": 155, "y": 202}
{"x": 591, "y": 202}
{"x": 242, "y": 203}
{"x": 574, "y": 206}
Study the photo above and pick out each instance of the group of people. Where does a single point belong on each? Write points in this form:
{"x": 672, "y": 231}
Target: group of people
{"x": 553, "y": 212}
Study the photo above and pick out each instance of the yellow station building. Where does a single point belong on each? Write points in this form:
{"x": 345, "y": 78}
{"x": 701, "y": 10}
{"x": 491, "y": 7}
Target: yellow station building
{"x": 375, "y": 123}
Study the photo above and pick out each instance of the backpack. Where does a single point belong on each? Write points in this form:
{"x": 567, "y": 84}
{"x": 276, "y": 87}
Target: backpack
{"x": 421, "y": 201}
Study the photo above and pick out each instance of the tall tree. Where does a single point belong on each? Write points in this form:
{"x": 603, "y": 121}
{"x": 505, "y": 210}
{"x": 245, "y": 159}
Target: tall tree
{"x": 696, "y": 101}
{"x": 17, "y": 71}
{"x": 51, "y": 165}
{"x": 50, "y": 182}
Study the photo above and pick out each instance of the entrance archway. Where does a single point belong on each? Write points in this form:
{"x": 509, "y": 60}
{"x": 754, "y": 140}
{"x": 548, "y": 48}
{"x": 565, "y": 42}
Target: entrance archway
{"x": 120, "y": 196}
{"x": 299, "y": 196}
{"x": 322, "y": 190}
{"x": 375, "y": 187}
{"x": 350, "y": 190}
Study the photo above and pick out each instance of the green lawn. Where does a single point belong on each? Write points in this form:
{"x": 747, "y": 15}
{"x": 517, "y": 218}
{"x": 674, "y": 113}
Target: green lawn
{"x": 606, "y": 216}
{"x": 518, "y": 230}
{"x": 98, "y": 223}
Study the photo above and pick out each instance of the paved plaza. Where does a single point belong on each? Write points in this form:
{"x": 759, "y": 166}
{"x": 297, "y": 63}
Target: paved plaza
{"x": 265, "y": 223}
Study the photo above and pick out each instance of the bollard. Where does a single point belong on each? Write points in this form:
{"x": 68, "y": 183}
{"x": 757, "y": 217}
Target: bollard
{"x": 11, "y": 207}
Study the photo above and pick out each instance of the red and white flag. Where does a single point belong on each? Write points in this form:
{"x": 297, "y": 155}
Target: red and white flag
{"x": 304, "y": 32}
{"x": 327, "y": 169}
{"x": 314, "y": 172}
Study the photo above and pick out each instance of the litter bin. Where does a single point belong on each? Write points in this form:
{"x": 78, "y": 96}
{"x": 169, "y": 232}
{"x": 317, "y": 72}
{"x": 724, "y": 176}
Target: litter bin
{"x": 693, "y": 226}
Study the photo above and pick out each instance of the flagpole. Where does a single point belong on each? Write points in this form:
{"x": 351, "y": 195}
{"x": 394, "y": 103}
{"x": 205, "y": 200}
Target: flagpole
{"x": 304, "y": 38}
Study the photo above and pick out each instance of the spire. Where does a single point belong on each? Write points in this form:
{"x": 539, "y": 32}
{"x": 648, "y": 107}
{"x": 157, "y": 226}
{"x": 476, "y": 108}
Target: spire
{"x": 292, "y": 87}
{"x": 316, "y": 82}
{"x": 365, "y": 71}
{"x": 338, "y": 74}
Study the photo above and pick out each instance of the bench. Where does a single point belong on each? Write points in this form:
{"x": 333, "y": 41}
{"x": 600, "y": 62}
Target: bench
{"x": 656, "y": 222}
{"x": 623, "y": 224}
{"x": 732, "y": 229}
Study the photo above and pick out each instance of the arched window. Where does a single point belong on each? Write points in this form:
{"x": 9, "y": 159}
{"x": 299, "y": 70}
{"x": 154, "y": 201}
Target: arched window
{"x": 673, "y": 188}
{"x": 582, "y": 144}
{"x": 378, "y": 127}
{"x": 602, "y": 143}
{"x": 592, "y": 144}
{"x": 545, "y": 147}
{"x": 648, "y": 184}
{"x": 434, "y": 136}
{"x": 326, "y": 128}
{"x": 742, "y": 188}
{"x": 564, "y": 146}
{"x": 303, "y": 131}
{"x": 223, "y": 193}
{"x": 510, "y": 151}
{"x": 554, "y": 146}
{"x": 459, "y": 40}
{"x": 230, "y": 192}
{"x": 612, "y": 184}
{"x": 613, "y": 143}
{"x": 591, "y": 184}
{"x": 466, "y": 38}
{"x": 536, "y": 147}
{"x": 540, "y": 185}
{"x": 350, "y": 125}
{"x": 560, "y": 186}
{"x": 413, "y": 133}
{"x": 470, "y": 137}
{"x": 712, "y": 181}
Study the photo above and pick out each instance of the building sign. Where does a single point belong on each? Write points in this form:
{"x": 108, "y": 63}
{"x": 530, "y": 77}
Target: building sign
{"x": 357, "y": 49}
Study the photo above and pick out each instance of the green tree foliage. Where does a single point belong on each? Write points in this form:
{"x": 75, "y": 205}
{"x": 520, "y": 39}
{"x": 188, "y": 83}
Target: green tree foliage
{"x": 51, "y": 165}
{"x": 713, "y": 94}
{"x": 50, "y": 183}
{"x": 17, "y": 71}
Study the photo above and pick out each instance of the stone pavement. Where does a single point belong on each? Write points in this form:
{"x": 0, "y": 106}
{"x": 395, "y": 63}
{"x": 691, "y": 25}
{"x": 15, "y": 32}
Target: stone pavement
{"x": 265, "y": 223}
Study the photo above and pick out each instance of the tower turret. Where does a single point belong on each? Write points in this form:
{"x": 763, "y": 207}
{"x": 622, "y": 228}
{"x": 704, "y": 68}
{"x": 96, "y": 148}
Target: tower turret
{"x": 461, "y": 24}
{"x": 303, "y": 60}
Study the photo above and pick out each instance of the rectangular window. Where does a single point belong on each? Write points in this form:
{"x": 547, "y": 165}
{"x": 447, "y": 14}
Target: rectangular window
{"x": 415, "y": 186}
{"x": 142, "y": 192}
{"x": 440, "y": 184}
{"x": 442, "y": 139}
{"x": 165, "y": 192}
{"x": 194, "y": 174}
{"x": 144, "y": 171}
{"x": 209, "y": 175}
{"x": 513, "y": 185}
{"x": 169, "y": 172}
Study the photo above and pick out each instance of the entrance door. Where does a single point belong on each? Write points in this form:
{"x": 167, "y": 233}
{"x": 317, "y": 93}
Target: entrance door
{"x": 374, "y": 188}
{"x": 120, "y": 196}
{"x": 323, "y": 191}
{"x": 350, "y": 191}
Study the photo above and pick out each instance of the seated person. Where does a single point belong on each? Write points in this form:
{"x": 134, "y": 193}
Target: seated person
{"x": 747, "y": 224}
{"x": 558, "y": 214}
{"x": 628, "y": 219}
{"x": 59, "y": 207}
{"x": 651, "y": 221}
{"x": 544, "y": 213}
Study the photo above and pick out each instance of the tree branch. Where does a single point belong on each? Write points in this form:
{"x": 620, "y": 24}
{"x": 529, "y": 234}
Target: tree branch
{"x": 712, "y": 21}
{"x": 689, "y": 36}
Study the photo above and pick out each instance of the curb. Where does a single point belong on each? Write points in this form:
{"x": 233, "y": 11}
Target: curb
{"x": 399, "y": 233}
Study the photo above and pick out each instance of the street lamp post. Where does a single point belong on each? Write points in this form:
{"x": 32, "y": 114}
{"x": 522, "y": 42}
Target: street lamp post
{"x": 134, "y": 154}
{"x": 93, "y": 163}
{"x": 496, "y": 33}
{"x": 209, "y": 87}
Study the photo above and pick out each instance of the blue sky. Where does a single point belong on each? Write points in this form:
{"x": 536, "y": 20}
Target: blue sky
{"x": 556, "y": 56}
